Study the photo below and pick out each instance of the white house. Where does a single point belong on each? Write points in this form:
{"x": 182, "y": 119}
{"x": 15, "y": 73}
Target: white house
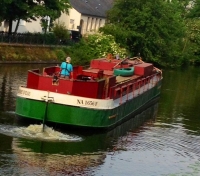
{"x": 33, "y": 26}
{"x": 86, "y": 16}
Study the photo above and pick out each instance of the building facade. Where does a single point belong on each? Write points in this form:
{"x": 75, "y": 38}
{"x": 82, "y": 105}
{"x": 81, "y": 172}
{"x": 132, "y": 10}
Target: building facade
{"x": 86, "y": 16}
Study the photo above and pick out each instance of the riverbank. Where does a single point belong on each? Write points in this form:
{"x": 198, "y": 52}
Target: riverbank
{"x": 29, "y": 62}
{"x": 16, "y": 53}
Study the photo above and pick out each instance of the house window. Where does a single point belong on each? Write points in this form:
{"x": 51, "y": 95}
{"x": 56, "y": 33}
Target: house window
{"x": 71, "y": 21}
{"x": 99, "y": 23}
{"x": 95, "y": 25}
{"x": 88, "y": 24}
{"x": 22, "y": 23}
{"x": 92, "y": 21}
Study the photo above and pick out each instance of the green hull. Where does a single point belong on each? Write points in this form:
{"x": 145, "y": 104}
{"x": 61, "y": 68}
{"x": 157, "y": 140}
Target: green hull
{"x": 84, "y": 117}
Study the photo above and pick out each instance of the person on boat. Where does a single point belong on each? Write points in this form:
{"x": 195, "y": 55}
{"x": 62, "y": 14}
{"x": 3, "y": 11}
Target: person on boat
{"x": 66, "y": 68}
{"x": 117, "y": 57}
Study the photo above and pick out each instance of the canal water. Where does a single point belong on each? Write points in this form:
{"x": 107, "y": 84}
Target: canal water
{"x": 162, "y": 140}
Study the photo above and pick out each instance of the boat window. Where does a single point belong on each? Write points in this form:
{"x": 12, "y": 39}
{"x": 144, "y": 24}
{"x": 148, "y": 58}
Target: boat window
{"x": 124, "y": 90}
{"x": 84, "y": 78}
{"x": 130, "y": 87}
{"x": 117, "y": 92}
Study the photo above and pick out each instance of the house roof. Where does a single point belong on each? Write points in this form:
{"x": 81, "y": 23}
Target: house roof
{"x": 92, "y": 7}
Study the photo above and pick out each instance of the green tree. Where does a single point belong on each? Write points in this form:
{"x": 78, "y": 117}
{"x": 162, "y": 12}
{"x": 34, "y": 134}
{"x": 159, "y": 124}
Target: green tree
{"x": 16, "y": 10}
{"x": 53, "y": 8}
{"x": 3, "y": 8}
{"x": 155, "y": 29}
{"x": 193, "y": 30}
{"x": 192, "y": 41}
{"x": 61, "y": 32}
{"x": 11, "y": 10}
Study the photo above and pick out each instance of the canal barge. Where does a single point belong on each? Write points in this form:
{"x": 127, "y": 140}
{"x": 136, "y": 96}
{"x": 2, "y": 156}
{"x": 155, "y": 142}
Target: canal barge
{"x": 107, "y": 93}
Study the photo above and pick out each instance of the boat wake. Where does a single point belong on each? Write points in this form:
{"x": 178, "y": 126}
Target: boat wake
{"x": 37, "y": 132}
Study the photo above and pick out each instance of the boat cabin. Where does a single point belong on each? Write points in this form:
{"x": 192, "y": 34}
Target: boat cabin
{"x": 105, "y": 78}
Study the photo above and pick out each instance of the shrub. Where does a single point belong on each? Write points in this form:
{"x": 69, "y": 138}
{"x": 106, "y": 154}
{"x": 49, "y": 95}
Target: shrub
{"x": 61, "y": 32}
{"x": 94, "y": 46}
{"x": 60, "y": 54}
{"x": 102, "y": 44}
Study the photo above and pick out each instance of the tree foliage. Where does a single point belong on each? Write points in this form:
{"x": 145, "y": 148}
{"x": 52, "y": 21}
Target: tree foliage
{"x": 3, "y": 8}
{"x": 155, "y": 29}
{"x": 94, "y": 46}
{"x": 194, "y": 10}
{"x": 11, "y": 10}
{"x": 52, "y": 8}
{"x": 192, "y": 41}
{"x": 61, "y": 32}
{"x": 101, "y": 45}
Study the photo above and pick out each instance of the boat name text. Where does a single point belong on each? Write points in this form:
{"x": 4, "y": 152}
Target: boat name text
{"x": 24, "y": 92}
{"x": 87, "y": 103}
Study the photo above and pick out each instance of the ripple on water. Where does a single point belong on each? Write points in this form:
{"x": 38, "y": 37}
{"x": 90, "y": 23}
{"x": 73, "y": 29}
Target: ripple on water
{"x": 157, "y": 148}
{"x": 172, "y": 138}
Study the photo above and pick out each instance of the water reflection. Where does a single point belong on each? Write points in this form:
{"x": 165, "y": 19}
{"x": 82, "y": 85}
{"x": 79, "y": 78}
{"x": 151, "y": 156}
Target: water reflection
{"x": 51, "y": 164}
{"x": 11, "y": 77}
{"x": 73, "y": 157}
{"x": 165, "y": 145}
{"x": 180, "y": 98}
{"x": 90, "y": 142}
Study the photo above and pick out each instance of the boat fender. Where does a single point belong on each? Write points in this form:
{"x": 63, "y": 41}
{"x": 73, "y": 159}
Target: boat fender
{"x": 124, "y": 71}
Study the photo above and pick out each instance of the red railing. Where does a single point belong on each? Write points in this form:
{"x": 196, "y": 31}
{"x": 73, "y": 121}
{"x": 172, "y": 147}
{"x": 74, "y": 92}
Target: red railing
{"x": 135, "y": 87}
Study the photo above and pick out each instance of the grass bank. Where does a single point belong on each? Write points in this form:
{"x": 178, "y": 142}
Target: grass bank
{"x": 27, "y": 53}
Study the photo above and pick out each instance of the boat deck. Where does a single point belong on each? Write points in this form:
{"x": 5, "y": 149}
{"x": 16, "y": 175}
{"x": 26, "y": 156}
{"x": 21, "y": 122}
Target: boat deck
{"x": 120, "y": 79}
{"x": 95, "y": 71}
